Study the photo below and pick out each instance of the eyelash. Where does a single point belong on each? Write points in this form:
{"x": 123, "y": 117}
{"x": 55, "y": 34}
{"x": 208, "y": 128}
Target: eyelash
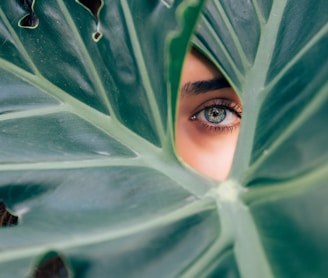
{"x": 224, "y": 104}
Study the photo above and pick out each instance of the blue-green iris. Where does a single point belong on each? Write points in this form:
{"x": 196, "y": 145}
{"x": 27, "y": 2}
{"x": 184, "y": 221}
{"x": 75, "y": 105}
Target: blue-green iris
{"x": 215, "y": 115}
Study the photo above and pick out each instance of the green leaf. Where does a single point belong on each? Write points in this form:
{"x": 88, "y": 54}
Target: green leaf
{"x": 87, "y": 159}
{"x": 272, "y": 51}
{"x": 84, "y": 125}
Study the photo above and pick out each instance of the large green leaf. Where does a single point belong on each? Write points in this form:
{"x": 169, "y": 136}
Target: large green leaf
{"x": 273, "y": 52}
{"x": 88, "y": 161}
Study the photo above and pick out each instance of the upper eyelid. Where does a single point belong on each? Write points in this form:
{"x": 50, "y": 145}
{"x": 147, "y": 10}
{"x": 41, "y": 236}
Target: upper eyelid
{"x": 221, "y": 128}
{"x": 229, "y": 104}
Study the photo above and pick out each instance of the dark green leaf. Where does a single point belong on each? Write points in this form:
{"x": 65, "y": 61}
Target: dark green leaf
{"x": 87, "y": 109}
{"x": 273, "y": 54}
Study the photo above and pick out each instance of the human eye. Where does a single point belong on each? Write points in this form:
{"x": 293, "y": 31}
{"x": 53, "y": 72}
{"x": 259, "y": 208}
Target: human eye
{"x": 218, "y": 115}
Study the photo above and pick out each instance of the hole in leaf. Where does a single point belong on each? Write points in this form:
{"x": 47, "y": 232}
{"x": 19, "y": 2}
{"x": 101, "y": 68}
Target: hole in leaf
{"x": 92, "y": 5}
{"x": 51, "y": 266}
{"x": 208, "y": 118}
{"x": 97, "y": 36}
{"x": 30, "y": 21}
{"x": 6, "y": 218}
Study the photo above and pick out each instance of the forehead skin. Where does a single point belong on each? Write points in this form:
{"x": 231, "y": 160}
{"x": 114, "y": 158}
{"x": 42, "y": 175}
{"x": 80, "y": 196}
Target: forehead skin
{"x": 197, "y": 65}
{"x": 211, "y": 154}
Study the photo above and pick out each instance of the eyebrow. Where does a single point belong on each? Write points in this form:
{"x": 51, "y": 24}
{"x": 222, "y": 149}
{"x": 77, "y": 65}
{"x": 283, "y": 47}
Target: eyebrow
{"x": 204, "y": 86}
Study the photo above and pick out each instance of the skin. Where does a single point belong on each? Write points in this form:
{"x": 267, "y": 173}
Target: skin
{"x": 208, "y": 119}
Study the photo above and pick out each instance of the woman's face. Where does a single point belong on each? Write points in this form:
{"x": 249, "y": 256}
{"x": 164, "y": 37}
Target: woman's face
{"x": 208, "y": 119}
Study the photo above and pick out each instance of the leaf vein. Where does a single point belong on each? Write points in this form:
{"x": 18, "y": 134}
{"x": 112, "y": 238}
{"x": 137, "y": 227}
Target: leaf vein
{"x": 139, "y": 57}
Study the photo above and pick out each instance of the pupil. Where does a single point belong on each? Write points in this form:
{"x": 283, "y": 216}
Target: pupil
{"x": 215, "y": 115}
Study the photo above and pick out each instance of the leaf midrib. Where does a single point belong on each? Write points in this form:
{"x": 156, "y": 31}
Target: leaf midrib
{"x": 255, "y": 88}
{"x": 92, "y": 70}
{"x": 104, "y": 122}
{"x": 310, "y": 43}
{"x": 144, "y": 72}
{"x": 19, "y": 43}
{"x": 196, "y": 207}
{"x": 307, "y": 112}
{"x": 193, "y": 183}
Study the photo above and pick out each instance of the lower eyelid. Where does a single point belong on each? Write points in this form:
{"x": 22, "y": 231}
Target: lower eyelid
{"x": 219, "y": 129}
